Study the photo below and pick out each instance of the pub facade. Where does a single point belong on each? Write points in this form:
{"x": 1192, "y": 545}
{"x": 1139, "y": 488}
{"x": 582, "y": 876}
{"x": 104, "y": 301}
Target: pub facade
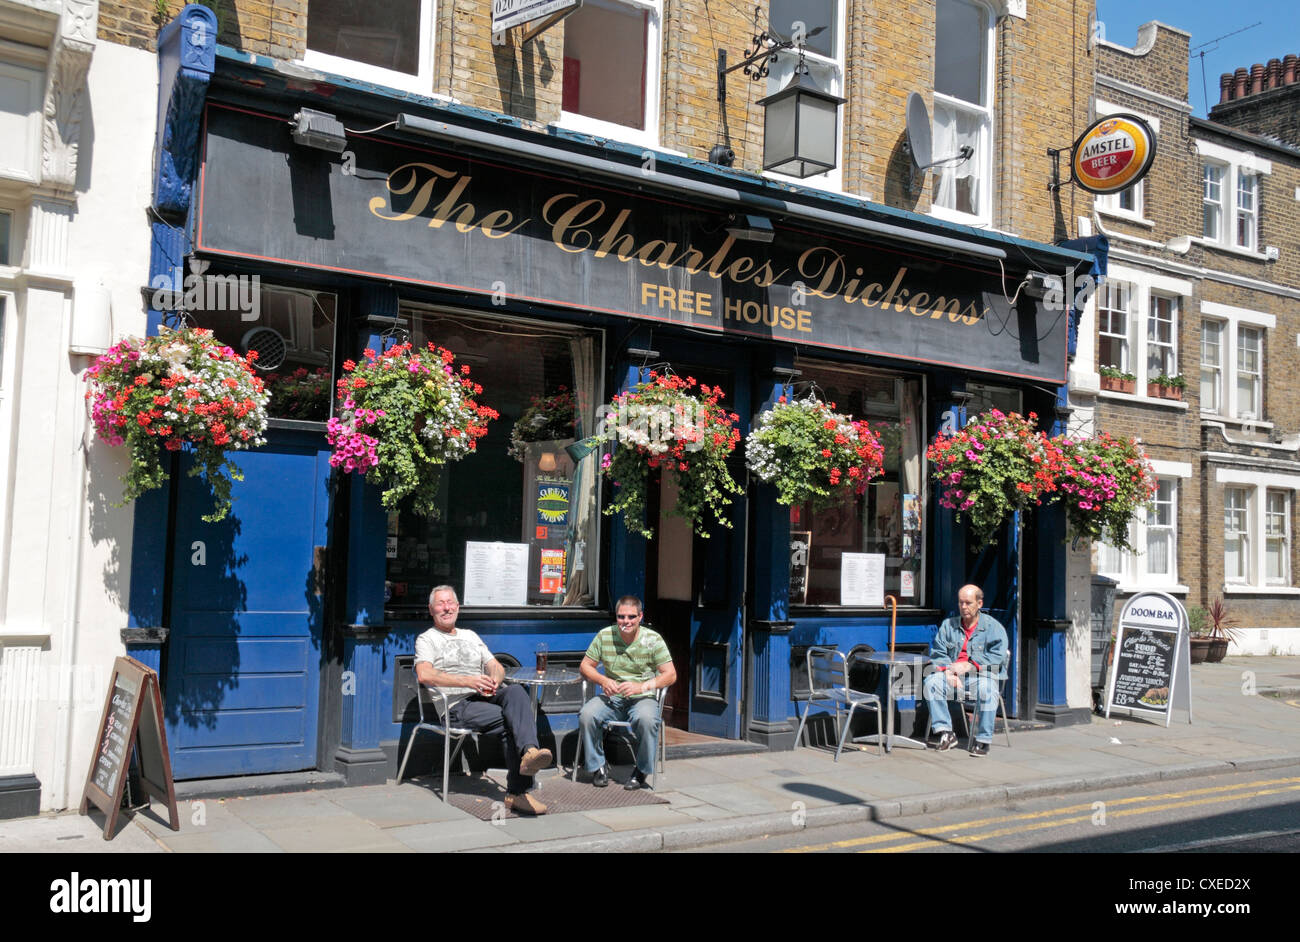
{"x": 312, "y": 212}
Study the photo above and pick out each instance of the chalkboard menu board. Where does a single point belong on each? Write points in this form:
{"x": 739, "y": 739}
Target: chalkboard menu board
{"x": 131, "y": 720}
{"x": 1151, "y": 668}
{"x": 1144, "y": 669}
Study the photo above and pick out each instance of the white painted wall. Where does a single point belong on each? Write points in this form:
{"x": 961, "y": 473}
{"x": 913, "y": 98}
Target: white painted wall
{"x": 1266, "y": 641}
{"x": 70, "y": 550}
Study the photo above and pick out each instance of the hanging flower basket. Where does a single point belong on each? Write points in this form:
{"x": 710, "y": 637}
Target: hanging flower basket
{"x": 1103, "y": 482}
{"x": 179, "y": 387}
{"x": 674, "y": 424}
{"x": 401, "y": 416}
{"x": 547, "y": 419}
{"x": 812, "y": 453}
{"x": 996, "y": 466}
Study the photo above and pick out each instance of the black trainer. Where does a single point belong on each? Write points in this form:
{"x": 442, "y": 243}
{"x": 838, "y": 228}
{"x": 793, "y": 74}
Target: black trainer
{"x": 944, "y": 740}
{"x": 979, "y": 749}
{"x": 600, "y": 778}
{"x": 636, "y": 781}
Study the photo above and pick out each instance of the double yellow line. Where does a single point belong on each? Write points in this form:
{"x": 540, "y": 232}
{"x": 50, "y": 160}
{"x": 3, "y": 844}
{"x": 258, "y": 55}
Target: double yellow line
{"x": 1055, "y": 818}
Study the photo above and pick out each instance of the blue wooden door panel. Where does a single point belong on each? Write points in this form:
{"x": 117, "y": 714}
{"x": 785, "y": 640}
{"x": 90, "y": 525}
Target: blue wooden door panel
{"x": 243, "y": 659}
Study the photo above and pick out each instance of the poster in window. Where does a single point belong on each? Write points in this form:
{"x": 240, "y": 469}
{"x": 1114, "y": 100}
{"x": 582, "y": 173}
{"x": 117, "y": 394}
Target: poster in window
{"x": 552, "y": 580}
{"x": 800, "y": 547}
{"x": 911, "y": 526}
{"x": 496, "y": 573}
{"x": 552, "y": 503}
{"x": 862, "y": 579}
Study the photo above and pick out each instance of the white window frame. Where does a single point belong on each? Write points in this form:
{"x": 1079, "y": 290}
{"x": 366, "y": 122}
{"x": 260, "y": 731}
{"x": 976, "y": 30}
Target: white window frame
{"x": 1234, "y": 165}
{"x": 1258, "y": 485}
{"x": 1109, "y": 203}
{"x": 1284, "y": 534}
{"x": 1131, "y": 568}
{"x": 1232, "y": 320}
{"x": 649, "y": 136}
{"x": 421, "y": 82}
{"x": 1247, "y": 216}
{"x": 1144, "y": 286}
{"x": 831, "y": 180}
{"x": 1213, "y": 402}
{"x": 1116, "y": 295}
{"x": 983, "y": 157}
{"x": 33, "y": 75}
{"x": 1153, "y": 343}
{"x": 1214, "y": 204}
{"x": 1241, "y": 534}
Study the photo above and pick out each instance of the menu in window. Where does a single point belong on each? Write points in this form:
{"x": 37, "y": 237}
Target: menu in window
{"x": 496, "y": 573}
{"x": 862, "y": 579}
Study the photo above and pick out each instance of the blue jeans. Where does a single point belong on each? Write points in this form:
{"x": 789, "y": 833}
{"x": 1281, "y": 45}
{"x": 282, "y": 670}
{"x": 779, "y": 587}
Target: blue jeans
{"x": 938, "y": 692}
{"x": 644, "y": 716}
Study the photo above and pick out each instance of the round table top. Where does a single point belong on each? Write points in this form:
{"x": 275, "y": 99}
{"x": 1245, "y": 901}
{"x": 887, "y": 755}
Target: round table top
{"x": 554, "y": 676}
{"x": 898, "y": 657}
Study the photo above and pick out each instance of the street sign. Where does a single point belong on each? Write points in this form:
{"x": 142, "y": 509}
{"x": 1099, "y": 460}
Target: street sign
{"x": 508, "y": 13}
{"x": 1151, "y": 671}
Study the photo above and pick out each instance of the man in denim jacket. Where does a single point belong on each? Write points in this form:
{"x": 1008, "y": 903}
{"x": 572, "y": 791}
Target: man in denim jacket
{"x": 968, "y": 653}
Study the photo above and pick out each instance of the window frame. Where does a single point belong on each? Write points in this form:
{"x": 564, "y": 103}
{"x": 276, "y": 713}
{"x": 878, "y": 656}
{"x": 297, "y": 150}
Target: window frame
{"x": 832, "y": 180}
{"x": 1154, "y": 343}
{"x": 1208, "y": 204}
{"x": 983, "y": 216}
{"x": 650, "y": 134}
{"x": 421, "y": 82}
{"x": 1111, "y": 290}
{"x": 1144, "y": 286}
{"x": 1235, "y": 166}
{"x": 1131, "y": 568}
{"x": 1285, "y": 535}
{"x": 1232, "y": 321}
{"x": 1216, "y": 369}
{"x": 1257, "y": 487}
{"x": 1240, "y": 531}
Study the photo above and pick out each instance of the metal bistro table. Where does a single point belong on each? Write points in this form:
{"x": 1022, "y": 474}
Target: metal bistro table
{"x": 554, "y": 677}
{"x": 915, "y": 664}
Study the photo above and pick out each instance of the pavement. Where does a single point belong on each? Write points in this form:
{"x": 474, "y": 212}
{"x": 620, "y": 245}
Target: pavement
{"x": 1242, "y": 721}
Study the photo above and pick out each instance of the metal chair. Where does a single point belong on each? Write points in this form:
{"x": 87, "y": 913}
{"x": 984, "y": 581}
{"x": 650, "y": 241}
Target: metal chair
{"x": 828, "y": 681}
{"x": 440, "y": 704}
{"x": 661, "y": 753}
{"x": 999, "y": 674}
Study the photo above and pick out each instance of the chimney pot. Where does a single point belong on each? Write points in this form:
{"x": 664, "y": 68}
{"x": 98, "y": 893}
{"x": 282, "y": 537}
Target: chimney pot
{"x": 1288, "y": 69}
{"x": 1274, "y": 73}
{"x": 1256, "y": 78}
{"x": 1239, "y": 80}
{"x": 1225, "y": 87}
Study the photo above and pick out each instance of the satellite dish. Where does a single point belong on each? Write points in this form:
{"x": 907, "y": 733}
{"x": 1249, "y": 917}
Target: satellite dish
{"x": 918, "y": 131}
{"x": 919, "y": 138}
{"x": 270, "y": 346}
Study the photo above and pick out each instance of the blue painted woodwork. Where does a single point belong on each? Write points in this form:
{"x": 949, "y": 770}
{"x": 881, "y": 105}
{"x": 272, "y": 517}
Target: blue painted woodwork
{"x": 243, "y": 663}
{"x": 186, "y": 60}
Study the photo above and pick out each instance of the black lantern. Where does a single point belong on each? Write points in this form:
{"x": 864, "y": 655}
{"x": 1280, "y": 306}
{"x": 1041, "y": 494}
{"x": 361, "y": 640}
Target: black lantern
{"x": 801, "y": 128}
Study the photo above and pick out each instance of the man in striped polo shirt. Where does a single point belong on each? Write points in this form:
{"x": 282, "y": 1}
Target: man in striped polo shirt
{"x": 636, "y": 663}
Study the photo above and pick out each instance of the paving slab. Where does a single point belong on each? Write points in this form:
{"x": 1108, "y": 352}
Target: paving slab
{"x": 741, "y": 799}
{"x": 343, "y": 834}
{"x": 450, "y": 836}
{"x": 389, "y": 808}
{"x": 280, "y": 811}
{"x": 247, "y": 840}
{"x": 641, "y": 816}
{"x": 72, "y": 833}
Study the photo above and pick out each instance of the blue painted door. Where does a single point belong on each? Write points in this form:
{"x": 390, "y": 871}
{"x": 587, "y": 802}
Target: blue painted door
{"x": 243, "y": 657}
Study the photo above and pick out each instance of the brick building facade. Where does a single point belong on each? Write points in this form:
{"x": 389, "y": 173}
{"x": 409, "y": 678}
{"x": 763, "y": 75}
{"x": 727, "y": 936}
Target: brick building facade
{"x": 1204, "y": 286}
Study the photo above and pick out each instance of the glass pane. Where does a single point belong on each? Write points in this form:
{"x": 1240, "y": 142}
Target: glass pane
{"x": 380, "y": 34}
{"x": 812, "y": 13}
{"x": 960, "y": 41}
{"x": 6, "y": 226}
{"x": 1275, "y": 561}
{"x": 520, "y": 486}
{"x": 1158, "y": 552}
{"x": 1234, "y": 559}
{"x": 292, "y": 330}
{"x": 888, "y": 517}
{"x": 605, "y": 64}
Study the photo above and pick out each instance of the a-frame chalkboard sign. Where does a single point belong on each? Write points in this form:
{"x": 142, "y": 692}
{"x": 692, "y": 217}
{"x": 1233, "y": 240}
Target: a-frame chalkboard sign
{"x": 132, "y": 717}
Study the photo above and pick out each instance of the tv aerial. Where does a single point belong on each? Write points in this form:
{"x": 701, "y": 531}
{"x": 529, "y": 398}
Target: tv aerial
{"x": 920, "y": 143}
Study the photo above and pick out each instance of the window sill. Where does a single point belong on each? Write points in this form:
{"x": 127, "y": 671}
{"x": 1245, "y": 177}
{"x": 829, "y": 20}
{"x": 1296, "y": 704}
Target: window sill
{"x": 608, "y": 130}
{"x": 1252, "y": 254}
{"x": 1131, "y": 588}
{"x": 1131, "y": 218}
{"x": 1243, "y": 424}
{"x": 1260, "y": 590}
{"x": 1135, "y": 399}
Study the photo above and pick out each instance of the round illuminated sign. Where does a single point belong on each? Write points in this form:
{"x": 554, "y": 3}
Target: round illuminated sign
{"x": 1113, "y": 153}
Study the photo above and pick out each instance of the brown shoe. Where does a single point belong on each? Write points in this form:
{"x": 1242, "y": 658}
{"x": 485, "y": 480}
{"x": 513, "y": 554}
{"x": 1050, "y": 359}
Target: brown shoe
{"x": 534, "y": 760}
{"x": 525, "y": 804}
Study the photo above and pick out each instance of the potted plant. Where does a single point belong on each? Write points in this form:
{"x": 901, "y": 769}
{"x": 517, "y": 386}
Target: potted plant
{"x": 1113, "y": 379}
{"x": 402, "y": 415}
{"x": 177, "y": 389}
{"x": 1221, "y": 629}
{"x": 1103, "y": 482}
{"x": 547, "y": 419}
{"x": 812, "y": 453}
{"x": 996, "y": 466}
{"x": 672, "y": 424}
{"x": 1199, "y": 642}
{"x": 1165, "y": 386}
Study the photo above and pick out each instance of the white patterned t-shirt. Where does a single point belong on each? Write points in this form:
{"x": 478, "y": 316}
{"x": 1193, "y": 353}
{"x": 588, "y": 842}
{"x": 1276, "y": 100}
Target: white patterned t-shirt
{"x": 461, "y": 653}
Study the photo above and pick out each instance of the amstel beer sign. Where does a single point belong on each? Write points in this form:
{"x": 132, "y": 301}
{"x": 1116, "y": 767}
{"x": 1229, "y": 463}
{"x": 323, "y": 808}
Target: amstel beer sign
{"x": 1114, "y": 153}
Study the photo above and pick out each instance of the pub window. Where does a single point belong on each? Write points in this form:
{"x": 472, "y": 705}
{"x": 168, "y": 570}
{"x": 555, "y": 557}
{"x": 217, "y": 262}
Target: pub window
{"x": 292, "y": 330}
{"x": 611, "y": 69}
{"x": 520, "y": 489}
{"x": 888, "y": 519}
